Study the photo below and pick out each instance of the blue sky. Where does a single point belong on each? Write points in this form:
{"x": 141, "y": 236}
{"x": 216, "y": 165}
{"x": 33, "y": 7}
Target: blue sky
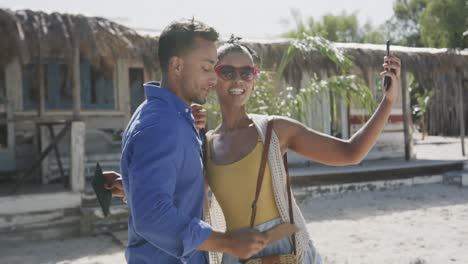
{"x": 247, "y": 18}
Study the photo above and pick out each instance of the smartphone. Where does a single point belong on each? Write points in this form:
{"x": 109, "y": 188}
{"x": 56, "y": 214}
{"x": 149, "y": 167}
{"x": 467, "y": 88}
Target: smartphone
{"x": 387, "y": 80}
{"x": 103, "y": 195}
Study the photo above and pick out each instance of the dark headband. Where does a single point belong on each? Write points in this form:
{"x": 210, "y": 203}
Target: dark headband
{"x": 233, "y": 40}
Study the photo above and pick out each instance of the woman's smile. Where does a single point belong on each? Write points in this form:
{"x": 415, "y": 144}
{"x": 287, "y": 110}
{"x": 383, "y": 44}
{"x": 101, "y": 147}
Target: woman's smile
{"x": 236, "y": 91}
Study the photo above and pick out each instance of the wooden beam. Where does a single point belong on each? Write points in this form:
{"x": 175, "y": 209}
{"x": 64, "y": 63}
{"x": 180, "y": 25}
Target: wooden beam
{"x": 406, "y": 114}
{"x": 77, "y": 155}
{"x": 461, "y": 109}
{"x": 122, "y": 88}
{"x": 44, "y": 141}
{"x": 57, "y": 156}
{"x": 40, "y": 78}
{"x": 326, "y": 115}
{"x": 38, "y": 162}
{"x": 13, "y": 86}
{"x": 76, "y": 81}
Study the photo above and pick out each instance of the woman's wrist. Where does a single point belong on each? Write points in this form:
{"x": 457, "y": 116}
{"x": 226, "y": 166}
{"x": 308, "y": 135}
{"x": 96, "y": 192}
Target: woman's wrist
{"x": 388, "y": 100}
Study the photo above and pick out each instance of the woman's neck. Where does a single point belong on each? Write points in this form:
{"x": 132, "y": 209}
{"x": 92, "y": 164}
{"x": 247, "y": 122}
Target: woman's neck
{"x": 234, "y": 118}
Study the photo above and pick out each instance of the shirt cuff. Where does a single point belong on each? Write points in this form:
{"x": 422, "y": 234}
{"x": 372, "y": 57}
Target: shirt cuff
{"x": 193, "y": 236}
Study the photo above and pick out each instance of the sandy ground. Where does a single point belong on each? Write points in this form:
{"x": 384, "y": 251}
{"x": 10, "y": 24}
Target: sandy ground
{"x": 86, "y": 250}
{"x": 418, "y": 224}
{"x": 439, "y": 148}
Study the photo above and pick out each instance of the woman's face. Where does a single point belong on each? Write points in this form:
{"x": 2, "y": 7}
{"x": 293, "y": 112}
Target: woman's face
{"x": 236, "y": 79}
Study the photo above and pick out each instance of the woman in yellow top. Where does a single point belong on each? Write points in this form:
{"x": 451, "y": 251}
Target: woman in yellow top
{"x": 234, "y": 151}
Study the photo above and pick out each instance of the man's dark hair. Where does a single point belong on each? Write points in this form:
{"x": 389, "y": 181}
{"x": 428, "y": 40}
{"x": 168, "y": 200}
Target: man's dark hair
{"x": 179, "y": 36}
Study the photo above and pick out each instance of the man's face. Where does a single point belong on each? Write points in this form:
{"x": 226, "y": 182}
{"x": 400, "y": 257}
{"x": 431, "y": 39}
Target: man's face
{"x": 198, "y": 75}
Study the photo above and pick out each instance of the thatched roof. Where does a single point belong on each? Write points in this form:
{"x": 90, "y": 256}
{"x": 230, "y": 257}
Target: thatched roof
{"x": 422, "y": 62}
{"x": 26, "y": 34}
{"x": 270, "y": 53}
{"x": 444, "y": 71}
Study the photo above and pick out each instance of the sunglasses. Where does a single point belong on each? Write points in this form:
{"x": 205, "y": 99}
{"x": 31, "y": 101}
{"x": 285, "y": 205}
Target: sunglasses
{"x": 229, "y": 73}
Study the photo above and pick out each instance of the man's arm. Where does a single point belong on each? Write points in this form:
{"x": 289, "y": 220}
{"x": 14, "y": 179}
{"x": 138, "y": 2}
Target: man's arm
{"x": 152, "y": 180}
{"x": 242, "y": 243}
{"x": 152, "y": 174}
{"x": 114, "y": 180}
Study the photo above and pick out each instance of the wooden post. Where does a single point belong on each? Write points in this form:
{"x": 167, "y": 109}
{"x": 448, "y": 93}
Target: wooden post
{"x": 77, "y": 154}
{"x": 326, "y": 115}
{"x": 123, "y": 89}
{"x": 13, "y": 83}
{"x": 462, "y": 116}
{"x": 44, "y": 142}
{"x": 375, "y": 91}
{"x": 406, "y": 114}
{"x": 308, "y": 116}
{"x": 40, "y": 78}
{"x": 41, "y": 100}
{"x": 57, "y": 155}
{"x": 371, "y": 82}
{"x": 76, "y": 83}
{"x": 344, "y": 115}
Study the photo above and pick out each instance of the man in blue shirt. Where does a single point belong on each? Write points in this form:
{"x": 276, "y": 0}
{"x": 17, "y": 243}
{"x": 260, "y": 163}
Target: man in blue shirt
{"x": 161, "y": 160}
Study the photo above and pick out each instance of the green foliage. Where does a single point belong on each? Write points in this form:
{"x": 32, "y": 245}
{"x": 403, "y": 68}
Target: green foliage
{"x": 307, "y": 43}
{"x": 415, "y": 23}
{"x": 372, "y": 35}
{"x": 337, "y": 28}
{"x": 404, "y": 26}
{"x": 423, "y": 101}
{"x": 292, "y": 103}
{"x": 443, "y": 23}
{"x": 430, "y": 23}
{"x": 420, "y": 101}
{"x": 269, "y": 98}
{"x": 345, "y": 86}
{"x": 343, "y": 28}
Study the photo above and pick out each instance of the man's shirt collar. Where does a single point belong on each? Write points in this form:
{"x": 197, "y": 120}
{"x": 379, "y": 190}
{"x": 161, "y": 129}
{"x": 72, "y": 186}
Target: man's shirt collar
{"x": 155, "y": 90}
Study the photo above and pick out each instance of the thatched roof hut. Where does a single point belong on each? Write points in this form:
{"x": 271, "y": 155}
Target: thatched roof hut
{"x": 443, "y": 71}
{"x": 28, "y": 35}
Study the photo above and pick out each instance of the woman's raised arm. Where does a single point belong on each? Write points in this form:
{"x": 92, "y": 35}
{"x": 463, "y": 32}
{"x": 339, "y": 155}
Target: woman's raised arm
{"x": 333, "y": 151}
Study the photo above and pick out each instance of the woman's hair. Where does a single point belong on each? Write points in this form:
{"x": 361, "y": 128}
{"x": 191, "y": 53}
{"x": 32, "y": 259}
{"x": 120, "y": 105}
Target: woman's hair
{"x": 234, "y": 45}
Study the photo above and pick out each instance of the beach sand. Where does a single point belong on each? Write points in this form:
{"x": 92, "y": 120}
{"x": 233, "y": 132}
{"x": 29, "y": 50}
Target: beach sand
{"x": 415, "y": 224}
{"x": 418, "y": 224}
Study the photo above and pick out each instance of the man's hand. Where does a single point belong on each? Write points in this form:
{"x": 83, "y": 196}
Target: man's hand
{"x": 114, "y": 184}
{"x": 241, "y": 243}
{"x": 199, "y": 114}
{"x": 246, "y": 242}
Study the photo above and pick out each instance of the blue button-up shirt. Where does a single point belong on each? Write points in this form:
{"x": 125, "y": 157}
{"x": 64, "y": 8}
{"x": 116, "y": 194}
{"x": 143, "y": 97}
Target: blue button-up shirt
{"x": 161, "y": 168}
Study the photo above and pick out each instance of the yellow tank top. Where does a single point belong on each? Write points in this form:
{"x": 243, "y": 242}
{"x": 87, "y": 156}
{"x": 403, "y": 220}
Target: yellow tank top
{"x": 234, "y": 186}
